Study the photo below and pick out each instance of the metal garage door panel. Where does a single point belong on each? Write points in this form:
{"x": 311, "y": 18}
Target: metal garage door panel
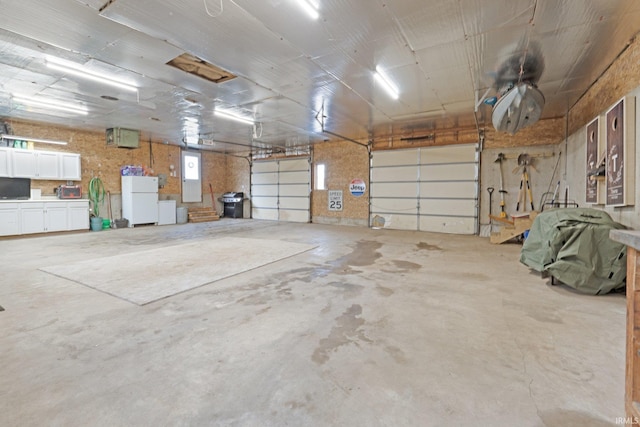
{"x": 294, "y": 165}
{"x": 264, "y": 190}
{"x": 451, "y": 225}
{"x": 390, "y": 206}
{"x": 280, "y": 189}
{"x": 449, "y": 172}
{"x": 396, "y": 173}
{"x": 260, "y": 167}
{"x": 446, "y": 189}
{"x": 394, "y": 158}
{"x": 264, "y": 178}
{"x": 399, "y": 222}
{"x": 447, "y": 207}
{"x": 294, "y": 216}
{"x": 392, "y": 189}
{"x": 294, "y": 203}
{"x": 264, "y": 202}
{"x": 294, "y": 177}
{"x": 448, "y": 154}
{"x": 268, "y": 214}
{"x": 299, "y": 190}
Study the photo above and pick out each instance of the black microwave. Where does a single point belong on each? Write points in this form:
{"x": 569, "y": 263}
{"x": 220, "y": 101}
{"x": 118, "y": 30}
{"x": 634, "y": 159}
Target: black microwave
{"x": 15, "y": 188}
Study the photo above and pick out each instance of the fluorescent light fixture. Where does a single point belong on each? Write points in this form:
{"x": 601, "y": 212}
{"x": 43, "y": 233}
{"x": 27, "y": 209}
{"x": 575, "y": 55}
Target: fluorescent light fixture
{"x": 25, "y": 138}
{"x": 49, "y": 104}
{"x": 311, "y": 7}
{"x": 80, "y": 71}
{"x": 235, "y": 117}
{"x": 386, "y": 83}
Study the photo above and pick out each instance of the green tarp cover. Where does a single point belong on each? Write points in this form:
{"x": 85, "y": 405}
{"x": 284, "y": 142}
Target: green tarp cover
{"x": 573, "y": 246}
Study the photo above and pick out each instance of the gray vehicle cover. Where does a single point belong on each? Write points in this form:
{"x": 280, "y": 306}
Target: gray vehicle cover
{"x": 573, "y": 246}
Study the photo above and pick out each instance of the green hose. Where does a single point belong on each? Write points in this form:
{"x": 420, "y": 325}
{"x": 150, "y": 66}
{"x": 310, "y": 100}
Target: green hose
{"x": 96, "y": 194}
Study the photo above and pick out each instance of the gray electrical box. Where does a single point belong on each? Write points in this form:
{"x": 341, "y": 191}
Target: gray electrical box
{"x": 125, "y": 138}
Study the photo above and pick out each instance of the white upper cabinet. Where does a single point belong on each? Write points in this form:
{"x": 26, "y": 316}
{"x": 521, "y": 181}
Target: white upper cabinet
{"x": 70, "y": 166}
{"x": 48, "y": 165}
{"x": 35, "y": 164}
{"x": 5, "y": 161}
{"x": 24, "y": 164}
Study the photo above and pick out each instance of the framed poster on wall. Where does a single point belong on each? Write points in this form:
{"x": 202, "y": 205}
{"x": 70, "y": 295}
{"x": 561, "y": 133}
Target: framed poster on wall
{"x": 593, "y": 133}
{"x": 620, "y": 132}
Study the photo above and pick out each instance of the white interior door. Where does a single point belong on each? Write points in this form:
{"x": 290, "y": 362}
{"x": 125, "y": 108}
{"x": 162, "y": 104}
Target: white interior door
{"x": 426, "y": 189}
{"x": 191, "y": 177}
{"x": 280, "y": 189}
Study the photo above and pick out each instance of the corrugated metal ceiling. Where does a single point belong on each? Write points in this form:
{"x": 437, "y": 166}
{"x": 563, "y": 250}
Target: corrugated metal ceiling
{"x": 442, "y": 55}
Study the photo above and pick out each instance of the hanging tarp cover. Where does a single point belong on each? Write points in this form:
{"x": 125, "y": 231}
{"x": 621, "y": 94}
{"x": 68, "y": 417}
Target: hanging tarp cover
{"x": 573, "y": 246}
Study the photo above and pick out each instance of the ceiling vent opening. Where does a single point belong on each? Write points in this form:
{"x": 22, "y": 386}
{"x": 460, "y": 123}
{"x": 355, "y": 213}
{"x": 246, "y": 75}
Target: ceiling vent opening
{"x": 201, "y": 68}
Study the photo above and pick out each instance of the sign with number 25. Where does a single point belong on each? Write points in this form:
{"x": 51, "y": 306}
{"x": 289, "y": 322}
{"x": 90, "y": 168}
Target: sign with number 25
{"x": 335, "y": 200}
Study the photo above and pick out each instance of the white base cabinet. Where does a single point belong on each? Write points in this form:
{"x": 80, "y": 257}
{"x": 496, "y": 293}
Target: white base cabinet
{"x": 31, "y": 218}
{"x": 9, "y": 219}
{"x": 43, "y": 216}
{"x": 56, "y": 217}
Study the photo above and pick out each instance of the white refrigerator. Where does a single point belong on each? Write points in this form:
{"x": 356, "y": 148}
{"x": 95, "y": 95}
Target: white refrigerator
{"x": 140, "y": 199}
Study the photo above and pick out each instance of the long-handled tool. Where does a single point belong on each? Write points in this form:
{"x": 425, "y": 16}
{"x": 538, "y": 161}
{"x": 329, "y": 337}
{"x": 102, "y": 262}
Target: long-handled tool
{"x": 522, "y": 194}
{"x": 502, "y": 191}
{"x": 490, "y": 191}
{"x": 110, "y": 211}
{"x": 524, "y": 160}
{"x": 213, "y": 200}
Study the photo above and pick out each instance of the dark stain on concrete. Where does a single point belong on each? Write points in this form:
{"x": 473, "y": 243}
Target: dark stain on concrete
{"x": 384, "y": 291}
{"x": 259, "y": 298}
{"x": 346, "y": 331}
{"x": 264, "y": 310}
{"x": 402, "y": 267}
{"x": 406, "y": 265}
{"x": 365, "y": 253}
{"x": 424, "y": 246}
{"x": 397, "y": 354}
{"x": 326, "y": 309}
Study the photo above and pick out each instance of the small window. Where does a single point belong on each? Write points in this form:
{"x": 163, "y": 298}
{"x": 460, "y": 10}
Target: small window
{"x": 320, "y": 185}
{"x": 191, "y": 167}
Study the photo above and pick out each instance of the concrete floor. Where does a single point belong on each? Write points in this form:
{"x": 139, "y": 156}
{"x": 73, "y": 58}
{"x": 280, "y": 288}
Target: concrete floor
{"x": 373, "y": 327}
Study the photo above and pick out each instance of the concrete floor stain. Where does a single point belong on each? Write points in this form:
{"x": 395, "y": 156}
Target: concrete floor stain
{"x": 384, "y": 291}
{"x": 363, "y": 254}
{"x": 347, "y": 330}
{"x": 427, "y": 247}
{"x": 406, "y": 265}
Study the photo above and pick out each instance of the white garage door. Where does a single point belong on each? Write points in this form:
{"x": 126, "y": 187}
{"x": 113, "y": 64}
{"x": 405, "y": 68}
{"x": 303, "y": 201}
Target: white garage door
{"x": 280, "y": 189}
{"x": 426, "y": 189}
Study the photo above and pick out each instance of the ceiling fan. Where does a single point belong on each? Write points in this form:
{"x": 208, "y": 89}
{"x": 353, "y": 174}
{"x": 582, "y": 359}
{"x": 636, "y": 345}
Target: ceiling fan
{"x": 519, "y": 102}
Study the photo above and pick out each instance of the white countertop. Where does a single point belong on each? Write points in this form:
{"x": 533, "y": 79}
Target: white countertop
{"x": 43, "y": 199}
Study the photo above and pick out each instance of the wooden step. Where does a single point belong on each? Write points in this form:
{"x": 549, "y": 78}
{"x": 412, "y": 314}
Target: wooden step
{"x": 508, "y": 231}
{"x": 202, "y": 215}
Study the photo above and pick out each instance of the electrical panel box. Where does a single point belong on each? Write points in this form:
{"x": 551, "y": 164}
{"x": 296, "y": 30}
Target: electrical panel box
{"x": 125, "y": 138}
